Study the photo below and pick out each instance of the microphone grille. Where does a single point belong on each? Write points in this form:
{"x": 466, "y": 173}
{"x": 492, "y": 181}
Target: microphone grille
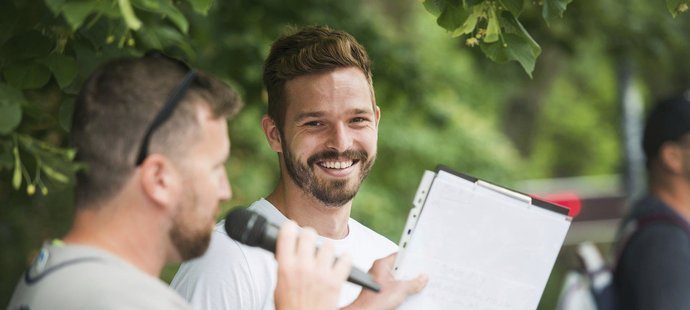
{"x": 245, "y": 226}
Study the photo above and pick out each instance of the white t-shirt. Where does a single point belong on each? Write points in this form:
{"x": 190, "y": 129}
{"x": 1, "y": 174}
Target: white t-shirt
{"x": 85, "y": 277}
{"x": 234, "y": 276}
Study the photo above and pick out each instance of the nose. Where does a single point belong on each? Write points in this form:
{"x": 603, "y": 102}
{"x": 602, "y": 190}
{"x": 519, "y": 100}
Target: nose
{"x": 340, "y": 138}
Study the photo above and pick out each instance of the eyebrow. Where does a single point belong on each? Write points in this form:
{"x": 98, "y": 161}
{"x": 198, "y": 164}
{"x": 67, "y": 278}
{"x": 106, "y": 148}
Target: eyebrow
{"x": 304, "y": 115}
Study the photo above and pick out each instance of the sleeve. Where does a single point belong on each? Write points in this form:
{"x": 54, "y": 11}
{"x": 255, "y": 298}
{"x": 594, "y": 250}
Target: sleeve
{"x": 223, "y": 277}
{"x": 654, "y": 271}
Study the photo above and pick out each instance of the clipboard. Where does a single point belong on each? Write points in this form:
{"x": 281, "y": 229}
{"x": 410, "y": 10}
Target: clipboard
{"x": 483, "y": 246}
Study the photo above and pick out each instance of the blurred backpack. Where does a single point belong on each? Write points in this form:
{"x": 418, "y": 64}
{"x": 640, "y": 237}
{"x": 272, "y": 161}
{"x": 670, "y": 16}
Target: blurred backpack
{"x": 590, "y": 287}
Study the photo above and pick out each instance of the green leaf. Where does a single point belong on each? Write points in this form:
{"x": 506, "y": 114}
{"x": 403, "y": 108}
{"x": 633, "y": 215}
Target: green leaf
{"x": 65, "y": 114}
{"x": 493, "y": 29}
{"x": 511, "y": 22}
{"x": 516, "y": 48}
{"x": 76, "y": 12}
{"x": 554, "y": 9}
{"x": 470, "y": 22}
{"x": 513, "y": 6}
{"x": 11, "y": 96}
{"x": 201, "y": 6}
{"x": 6, "y": 160}
{"x": 435, "y": 7}
{"x": 517, "y": 45}
{"x": 10, "y": 117}
{"x": 26, "y": 45}
{"x": 64, "y": 68}
{"x": 27, "y": 76}
{"x": 162, "y": 37}
{"x": 166, "y": 8}
{"x": 169, "y": 10}
{"x": 453, "y": 16}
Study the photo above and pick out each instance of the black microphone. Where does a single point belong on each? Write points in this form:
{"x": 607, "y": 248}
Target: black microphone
{"x": 252, "y": 229}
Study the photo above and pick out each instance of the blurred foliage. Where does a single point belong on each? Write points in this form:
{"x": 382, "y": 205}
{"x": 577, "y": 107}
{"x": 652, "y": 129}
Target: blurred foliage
{"x": 441, "y": 102}
{"x": 495, "y": 25}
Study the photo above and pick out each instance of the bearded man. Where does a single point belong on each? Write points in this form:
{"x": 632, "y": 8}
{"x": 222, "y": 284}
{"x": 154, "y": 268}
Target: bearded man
{"x": 153, "y": 136}
{"x": 322, "y": 121}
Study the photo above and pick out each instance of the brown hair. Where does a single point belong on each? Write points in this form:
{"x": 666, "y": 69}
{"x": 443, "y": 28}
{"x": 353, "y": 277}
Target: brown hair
{"x": 117, "y": 104}
{"x": 311, "y": 50}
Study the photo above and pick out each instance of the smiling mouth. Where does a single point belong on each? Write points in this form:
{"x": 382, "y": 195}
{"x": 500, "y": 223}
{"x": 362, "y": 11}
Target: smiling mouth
{"x": 337, "y": 165}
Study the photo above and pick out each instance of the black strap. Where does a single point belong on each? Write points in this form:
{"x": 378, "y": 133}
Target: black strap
{"x": 634, "y": 226}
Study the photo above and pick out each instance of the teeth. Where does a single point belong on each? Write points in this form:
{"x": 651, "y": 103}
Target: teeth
{"x": 337, "y": 164}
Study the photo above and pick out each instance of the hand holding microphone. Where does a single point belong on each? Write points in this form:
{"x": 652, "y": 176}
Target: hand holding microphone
{"x": 307, "y": 279}
{"x": 313, "y": 281}
{"x": 252, "y": 229}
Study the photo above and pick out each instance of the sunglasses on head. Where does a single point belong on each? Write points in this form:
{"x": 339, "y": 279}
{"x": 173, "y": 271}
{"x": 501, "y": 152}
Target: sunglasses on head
{"x": 170, "y": 105}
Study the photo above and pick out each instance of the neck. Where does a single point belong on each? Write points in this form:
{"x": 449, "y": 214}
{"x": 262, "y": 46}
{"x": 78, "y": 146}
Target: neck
{"x": 122, "y": 232}
{"x": 675, "y": 193}
{"x": 328, "y": 221}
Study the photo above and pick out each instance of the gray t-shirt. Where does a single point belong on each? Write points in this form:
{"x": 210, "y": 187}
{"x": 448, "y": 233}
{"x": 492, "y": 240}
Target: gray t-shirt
{"x": 84, "y": 277}
{"x": 653, "y": 271}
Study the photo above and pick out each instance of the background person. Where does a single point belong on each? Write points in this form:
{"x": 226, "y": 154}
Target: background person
{"x": 652, "y": 271}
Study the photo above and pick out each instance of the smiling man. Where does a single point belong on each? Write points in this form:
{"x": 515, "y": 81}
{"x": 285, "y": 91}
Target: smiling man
{"x": 322, "y": 121}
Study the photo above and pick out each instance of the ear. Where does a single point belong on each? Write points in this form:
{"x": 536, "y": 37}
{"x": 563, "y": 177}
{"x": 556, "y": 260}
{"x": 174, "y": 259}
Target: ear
{"x": 671, "y": 157}
{"x": 272, "y": 133}
{"x": 160, "y": 181}
{"x": 377, "y": 114}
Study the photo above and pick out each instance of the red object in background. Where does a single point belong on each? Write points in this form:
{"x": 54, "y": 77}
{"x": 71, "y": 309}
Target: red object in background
{"x": 569, "y": 200}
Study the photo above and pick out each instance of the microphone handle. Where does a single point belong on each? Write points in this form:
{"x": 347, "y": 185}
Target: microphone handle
{"x": 363, "y": 279}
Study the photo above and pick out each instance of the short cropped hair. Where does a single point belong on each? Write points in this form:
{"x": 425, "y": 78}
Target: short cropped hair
{"x": 117, "y": 104}
{"x": 311, "y": 50}
{"x": 669, "y": 120}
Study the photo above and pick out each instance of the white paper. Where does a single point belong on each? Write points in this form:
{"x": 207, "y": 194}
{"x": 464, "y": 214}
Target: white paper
{"x": 481, "y": 248}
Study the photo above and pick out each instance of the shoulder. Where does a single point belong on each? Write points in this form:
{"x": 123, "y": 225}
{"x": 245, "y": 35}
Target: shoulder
{"x": 660, "y": 241}
{"x": 268, "y": 210}
{"x": 96, "y": 284}
{"x": 656, "y": 253}
{"x": 652, "y": 271}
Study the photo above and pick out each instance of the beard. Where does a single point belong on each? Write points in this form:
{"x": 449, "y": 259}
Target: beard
{"x": 190, "y": 241}
{"x": 333, "y": 193}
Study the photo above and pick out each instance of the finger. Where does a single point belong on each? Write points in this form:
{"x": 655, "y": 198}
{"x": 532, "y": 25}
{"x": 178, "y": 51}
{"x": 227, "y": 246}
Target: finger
{"x": 383, "y": 267}
{"x": 325, "y": 256}
{"x": 417, "y": 284}
{"x": 287, "y": 242}
{"x": 385, "y": 262}
{"x": 306, "y": 244}
{"x": 342, "y": 267}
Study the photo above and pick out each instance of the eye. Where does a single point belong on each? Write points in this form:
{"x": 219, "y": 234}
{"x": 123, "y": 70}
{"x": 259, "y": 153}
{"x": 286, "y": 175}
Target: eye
{"x": 313, "y": 124}
{"x": 359, "y": 120}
